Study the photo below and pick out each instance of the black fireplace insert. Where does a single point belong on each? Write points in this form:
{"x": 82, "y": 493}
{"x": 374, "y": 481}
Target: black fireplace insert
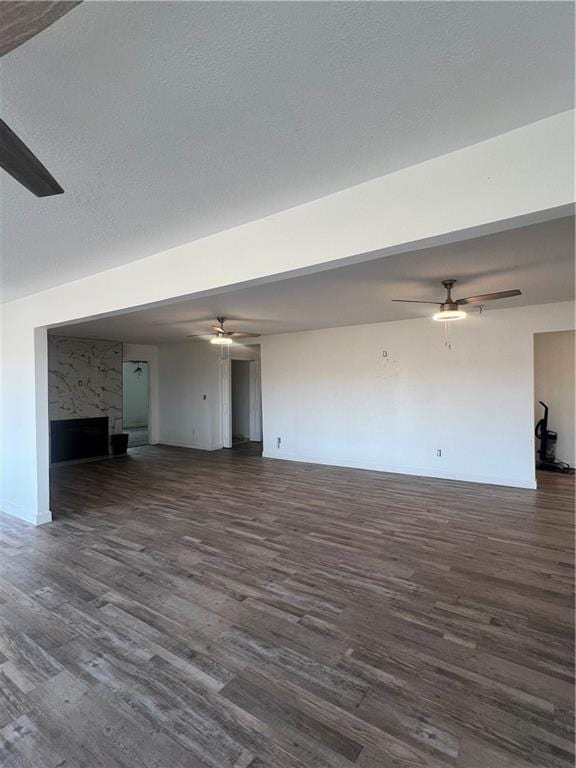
{"x": 78, "y": 438}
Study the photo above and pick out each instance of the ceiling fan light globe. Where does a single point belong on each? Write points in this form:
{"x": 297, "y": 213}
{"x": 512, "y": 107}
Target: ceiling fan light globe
{"x": 221, "y": 340}
{"x": 450, "y": 314}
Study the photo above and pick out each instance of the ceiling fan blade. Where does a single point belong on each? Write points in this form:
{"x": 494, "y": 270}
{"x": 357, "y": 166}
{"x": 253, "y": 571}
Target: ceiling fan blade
{"x": 198, "y": 335}
{"x": 21, "y": 20}
{"x": 19, "y": 162}
{"x": 415, "y": 301}
{"x": 489, "y": 297}
{"x": 242, "y": 335}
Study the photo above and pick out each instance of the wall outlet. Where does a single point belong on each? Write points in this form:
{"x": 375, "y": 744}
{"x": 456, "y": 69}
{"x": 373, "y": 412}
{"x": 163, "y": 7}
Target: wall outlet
{"x": 439, "y": 452}
{"x": 278, "y": 442}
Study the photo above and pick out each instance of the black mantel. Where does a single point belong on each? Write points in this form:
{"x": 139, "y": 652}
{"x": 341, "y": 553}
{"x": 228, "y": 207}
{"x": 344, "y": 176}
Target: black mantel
{"x": 78, "y": 438}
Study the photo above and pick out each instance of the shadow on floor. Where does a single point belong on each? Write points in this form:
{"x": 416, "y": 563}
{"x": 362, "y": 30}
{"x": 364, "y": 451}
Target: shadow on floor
{"x": 137, "y": 436}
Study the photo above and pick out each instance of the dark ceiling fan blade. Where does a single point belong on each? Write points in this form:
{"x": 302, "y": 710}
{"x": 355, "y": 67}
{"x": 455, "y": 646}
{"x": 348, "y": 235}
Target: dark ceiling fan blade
{"x": 416, "y": 301}
{"x": 22, "y": 19}
{"x": 19, "y": 162}
{"x": 489, "y": 297}
{"x": 242, "y": 335}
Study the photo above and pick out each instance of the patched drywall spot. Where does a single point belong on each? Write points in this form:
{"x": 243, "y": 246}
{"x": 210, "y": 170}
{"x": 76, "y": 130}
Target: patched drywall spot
{"x": 388, "y": 365}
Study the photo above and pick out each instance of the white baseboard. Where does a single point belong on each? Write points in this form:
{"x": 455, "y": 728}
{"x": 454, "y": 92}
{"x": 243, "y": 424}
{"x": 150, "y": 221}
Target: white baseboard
{"x": 331, "y": 461}
{"x": 194, "y": 446}
{"x": 44, "y": 517}
{"x": 32, "y": 518}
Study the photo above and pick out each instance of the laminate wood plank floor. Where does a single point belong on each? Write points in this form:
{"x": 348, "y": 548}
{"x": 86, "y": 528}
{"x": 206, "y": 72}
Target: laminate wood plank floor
{"x": 220, "y": 610}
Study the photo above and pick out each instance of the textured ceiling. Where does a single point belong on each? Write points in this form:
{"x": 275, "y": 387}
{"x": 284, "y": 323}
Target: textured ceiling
{"x": 539, "y": 260}
{"x": 165, "y": 122}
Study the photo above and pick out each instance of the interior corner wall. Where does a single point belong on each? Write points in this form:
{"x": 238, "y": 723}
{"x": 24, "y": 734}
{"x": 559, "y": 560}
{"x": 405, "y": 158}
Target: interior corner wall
{"x": 554, "y": 362}
{"x": 389, "y": 396}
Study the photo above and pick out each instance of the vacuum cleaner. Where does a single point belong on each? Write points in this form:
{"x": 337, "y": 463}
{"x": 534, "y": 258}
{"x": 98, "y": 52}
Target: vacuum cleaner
{"x": 547, "y": 450}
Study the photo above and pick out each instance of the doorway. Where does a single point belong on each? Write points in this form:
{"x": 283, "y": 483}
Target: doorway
{"x": 241, "y": 403}
{"x": 135, "y": 402}
{"x": 554, "y": 387}
{"x": 240, "y": 382}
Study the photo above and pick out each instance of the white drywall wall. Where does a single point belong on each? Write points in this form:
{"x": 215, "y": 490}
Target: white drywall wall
{"x": 1, "y": 407}
{"x": 244, "y": 351}
{"x": 189, "y": 402}
{"x": 189, "y": 395}
{"x": 554, "y": 384}
{"x": 135, "y": 394}
{"x": 241, "y": 398}
{"x": 389, "y": 396}
{"x": 524, "y": 175}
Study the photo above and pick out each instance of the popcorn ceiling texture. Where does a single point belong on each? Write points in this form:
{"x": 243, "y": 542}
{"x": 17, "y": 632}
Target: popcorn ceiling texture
{"x": 168, "y": 122}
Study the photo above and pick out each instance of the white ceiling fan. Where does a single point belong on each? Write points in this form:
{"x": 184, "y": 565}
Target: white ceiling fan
{"x": 222, "y": 336}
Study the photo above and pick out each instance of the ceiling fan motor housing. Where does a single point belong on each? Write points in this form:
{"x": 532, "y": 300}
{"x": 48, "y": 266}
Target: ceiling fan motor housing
{"x": 449, "y": 306}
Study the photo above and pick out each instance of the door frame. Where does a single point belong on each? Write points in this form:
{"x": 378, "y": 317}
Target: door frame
{"x": 226, "y": 401}
{"x": 148, "y": 391}
{"x": 255, "y": 400}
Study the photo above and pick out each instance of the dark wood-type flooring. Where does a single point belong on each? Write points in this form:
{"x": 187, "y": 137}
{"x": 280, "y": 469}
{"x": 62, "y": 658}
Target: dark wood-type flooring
{"x": 219, "y": 610}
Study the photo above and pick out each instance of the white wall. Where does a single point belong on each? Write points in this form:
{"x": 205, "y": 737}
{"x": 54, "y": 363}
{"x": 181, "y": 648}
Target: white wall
{"x": 149, "y": 353}
{"x": 134, "y": 394}
{"x": 554, "y": 384}
{"x": 189, "y": 395}
{"x": 333, "y": 398}
{"x": 241, "y": 398}
{"x": 244, "y": 352}
{"x": 522, "y": 176}
{"x": 1, "y": 406}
